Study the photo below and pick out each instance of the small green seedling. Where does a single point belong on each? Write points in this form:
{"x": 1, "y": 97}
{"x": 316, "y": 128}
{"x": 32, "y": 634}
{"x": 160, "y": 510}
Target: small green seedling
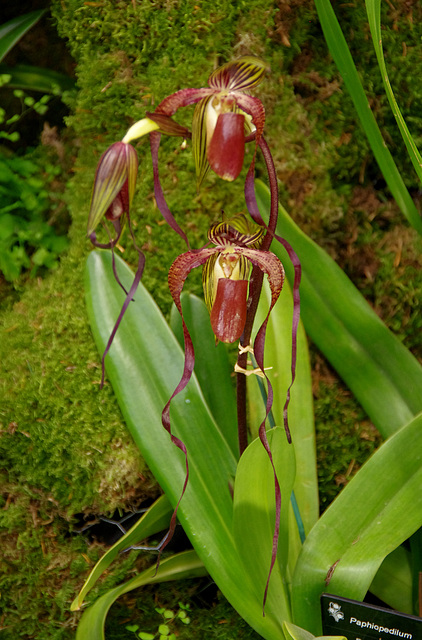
{"x": 164, "y": 631}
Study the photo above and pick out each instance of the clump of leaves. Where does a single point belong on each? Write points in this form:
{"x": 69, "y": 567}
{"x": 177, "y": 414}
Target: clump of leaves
{"x": 27, "y": 240}
{"x": 27, "y": 104}
{"x": 166, "y": 629}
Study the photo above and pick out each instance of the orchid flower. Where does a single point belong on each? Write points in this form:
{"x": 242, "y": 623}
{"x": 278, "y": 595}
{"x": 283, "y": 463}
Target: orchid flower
{"x": 223, "y": 117}
{"x": 237, "y": 256}
{"x": 222, "y": 114}
{"x": 115, "y": 178}
{"x": 224, "y": 111}
{"x": 112, "y": 195}
{"x": 225, "y": 276}
{"x": 226, "y": 268}
{"x": 226, "y": 273}
{"x": 114, "y": 186}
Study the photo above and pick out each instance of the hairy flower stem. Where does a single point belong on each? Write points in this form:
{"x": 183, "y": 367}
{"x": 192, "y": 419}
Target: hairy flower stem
{"x": 254, "y": 293}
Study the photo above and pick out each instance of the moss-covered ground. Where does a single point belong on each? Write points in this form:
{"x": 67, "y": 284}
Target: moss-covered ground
{"x": 64, "y": 449}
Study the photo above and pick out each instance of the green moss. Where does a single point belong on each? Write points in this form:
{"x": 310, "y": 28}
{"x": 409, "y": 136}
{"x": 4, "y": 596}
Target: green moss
{"x": 321, "y": 90}
{"x": 344, "y": 435}
{"x": 55, "y": 423}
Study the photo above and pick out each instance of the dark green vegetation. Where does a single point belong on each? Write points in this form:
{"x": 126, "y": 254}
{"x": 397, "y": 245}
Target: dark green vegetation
{"x": 64, "y": 447}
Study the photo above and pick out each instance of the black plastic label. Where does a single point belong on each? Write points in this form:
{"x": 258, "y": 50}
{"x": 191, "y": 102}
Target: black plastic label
{"x": 361, "y": 621}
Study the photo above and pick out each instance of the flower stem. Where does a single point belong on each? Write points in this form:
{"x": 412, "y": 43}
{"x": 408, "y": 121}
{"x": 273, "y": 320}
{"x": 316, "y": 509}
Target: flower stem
{"x": 255, "y": 287}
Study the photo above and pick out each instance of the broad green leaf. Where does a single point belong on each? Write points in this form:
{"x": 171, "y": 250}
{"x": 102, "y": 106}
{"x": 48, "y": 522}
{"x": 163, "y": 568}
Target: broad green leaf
{"x": 212, "y": 365}
{"x": 37, "y": 79}
{"x": 293, "y": 632}
{"x": 379, "y": 509}
{"x": 392, "y": 583}
{"x": 177, "y": 567}
{"x": 11, "y": 32}
{"x": 156, "y": 519}
{"x": 373, "y": 9}
{"x": 344, "y": 61}
{"x": 254, "y": 513}
{"x": 145, "y": 364}
{"x": 383, "y": 375}
{"x": 278, "y": 355}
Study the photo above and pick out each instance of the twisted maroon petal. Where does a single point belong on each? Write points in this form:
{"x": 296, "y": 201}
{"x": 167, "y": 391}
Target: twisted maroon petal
{"x": 253, "y": 107}
{"x": 270, "y": 264}
{"x": 178, "y": 273}
{"x": 110, "y": 245}
{"x": 129, "y": 297}
{"x": 131, "y": 292}
{"x": 272, "y": 223}
{"x": 155, "y": 138}
{"x": 182, "y": 98}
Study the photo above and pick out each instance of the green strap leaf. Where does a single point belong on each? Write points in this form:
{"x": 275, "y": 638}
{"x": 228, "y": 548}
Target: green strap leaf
{"x": 379, "y": 370}
{"x": 254, "y": 514}
{"x": 379, "y": 509}
{"x": 156, "y": 519}
{"x": 392, "y": 583}
{"x": 37, "y": 79}
{"x": 11, "y": 32}
{"x": 177, "y": 567}
{"x": 340, "y": 51}
{"x": 293, "y": 632}
{"x": 278, "y": 354}
{"x": 373, "y": 9}
{"x": 145, "y": 364}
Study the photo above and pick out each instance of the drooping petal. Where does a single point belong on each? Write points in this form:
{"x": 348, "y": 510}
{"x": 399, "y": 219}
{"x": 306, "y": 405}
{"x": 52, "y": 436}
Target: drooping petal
{"x": 226, "y": 149}
{"x": 117, "y": 224}
{"x": 272, "y": 223}
{"x": 239, "y": 75}
{"x": 116, "y": 166}
{"x": 178, "y": 273}
{"x": 269, "y": 264}
{"x": 295, "y": 322}
{"x": 154, "y": 140}
{"x": 228, "y": 314}
{"x": 128, "y": 299}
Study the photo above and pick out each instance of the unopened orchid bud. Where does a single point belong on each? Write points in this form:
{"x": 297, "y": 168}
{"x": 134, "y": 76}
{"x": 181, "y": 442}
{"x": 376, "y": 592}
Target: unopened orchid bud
{"x": 114, "y": 184}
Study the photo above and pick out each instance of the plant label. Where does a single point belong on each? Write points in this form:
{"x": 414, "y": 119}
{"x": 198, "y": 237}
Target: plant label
{"x": 360, "y": 621}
